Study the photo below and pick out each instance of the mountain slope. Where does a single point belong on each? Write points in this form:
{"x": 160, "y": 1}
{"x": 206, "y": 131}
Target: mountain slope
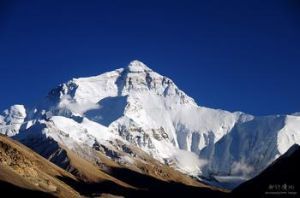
{"x": 135, "y": 107}
{"x": 23, "y": 168}
{"x": 25, "y": 173}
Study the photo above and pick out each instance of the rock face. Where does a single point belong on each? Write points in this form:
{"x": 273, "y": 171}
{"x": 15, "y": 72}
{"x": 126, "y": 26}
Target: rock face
{"x": 138, "y": 107}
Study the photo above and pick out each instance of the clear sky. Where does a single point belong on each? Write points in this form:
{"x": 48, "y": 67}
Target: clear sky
{"x": 233, "y": 55}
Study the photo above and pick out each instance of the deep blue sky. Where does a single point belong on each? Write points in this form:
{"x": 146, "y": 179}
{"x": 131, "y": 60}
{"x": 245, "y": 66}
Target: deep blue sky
{"x": 234, "y": 55}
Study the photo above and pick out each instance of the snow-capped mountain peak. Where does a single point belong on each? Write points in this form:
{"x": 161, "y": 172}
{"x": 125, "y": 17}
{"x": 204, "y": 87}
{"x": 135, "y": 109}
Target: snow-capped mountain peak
{"x": 136, "y": 106}
{"x": 137, "y": 66}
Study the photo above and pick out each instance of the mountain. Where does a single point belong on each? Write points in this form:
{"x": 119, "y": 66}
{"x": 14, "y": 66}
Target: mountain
{"x": 281, "y": 178}
{"x": 135, "y": 116}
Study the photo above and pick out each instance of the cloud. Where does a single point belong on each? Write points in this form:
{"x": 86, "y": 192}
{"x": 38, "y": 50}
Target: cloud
{"x": 68, "y": 103}
{"x": 241, "y": 168}
{"x": 189, "y": 162}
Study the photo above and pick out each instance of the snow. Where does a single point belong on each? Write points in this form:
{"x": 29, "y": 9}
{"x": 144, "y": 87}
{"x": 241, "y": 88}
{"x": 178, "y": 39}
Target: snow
{"x": 289, "y": 134}
{"x": 73, "y": 129}
{"x": 12, "y": 120}
{"x": 137, "y": 66}
{"x": 135, "y": 105}
{"x": 296, "y": 114}
{"x": 91, "y": 90}
{"x": 84, "y": 132}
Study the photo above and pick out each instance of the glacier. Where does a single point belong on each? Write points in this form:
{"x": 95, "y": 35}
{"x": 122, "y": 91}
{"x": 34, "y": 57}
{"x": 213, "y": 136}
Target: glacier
{"x": 136, "y": 106}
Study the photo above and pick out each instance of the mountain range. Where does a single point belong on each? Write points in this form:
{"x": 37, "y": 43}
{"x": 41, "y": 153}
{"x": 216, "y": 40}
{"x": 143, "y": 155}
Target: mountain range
{"x": 134, "y": 121}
